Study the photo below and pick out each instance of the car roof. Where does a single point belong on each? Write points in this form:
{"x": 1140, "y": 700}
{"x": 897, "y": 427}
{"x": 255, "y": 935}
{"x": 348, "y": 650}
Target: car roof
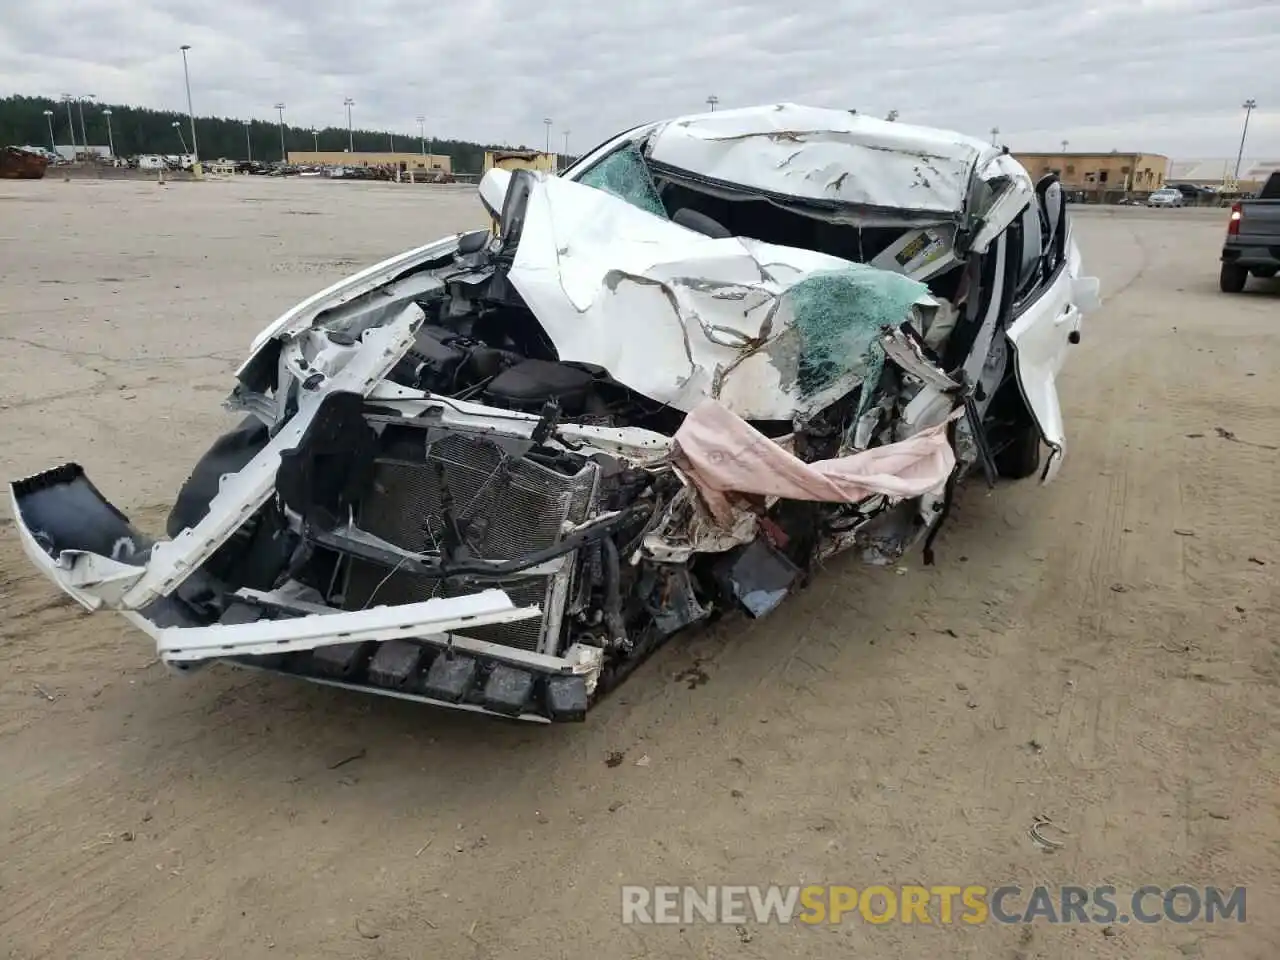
{"x": 824, "y": 155}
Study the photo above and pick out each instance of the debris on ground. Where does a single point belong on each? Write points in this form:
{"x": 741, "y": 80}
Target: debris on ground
{"x": 1039, "y": 825}
{"x": 1228, "y": 435}
{"x": 358, "y": 755}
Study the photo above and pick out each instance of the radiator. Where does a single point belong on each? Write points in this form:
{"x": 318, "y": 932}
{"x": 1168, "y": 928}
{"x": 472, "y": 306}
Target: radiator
{"x": 507, "y": 507}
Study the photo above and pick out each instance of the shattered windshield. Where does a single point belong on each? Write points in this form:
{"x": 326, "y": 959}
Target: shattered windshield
{"x": 625, "y": 175}
{"x": 838, "y": 315}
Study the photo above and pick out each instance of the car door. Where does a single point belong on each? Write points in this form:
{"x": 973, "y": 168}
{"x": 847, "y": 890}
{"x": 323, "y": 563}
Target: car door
{"x": 1050, "y": 301}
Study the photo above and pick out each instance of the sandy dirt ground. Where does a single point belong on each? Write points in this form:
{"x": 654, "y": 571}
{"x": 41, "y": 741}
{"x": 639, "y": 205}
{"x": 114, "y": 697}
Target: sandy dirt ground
{"x": 1103, "y": 652}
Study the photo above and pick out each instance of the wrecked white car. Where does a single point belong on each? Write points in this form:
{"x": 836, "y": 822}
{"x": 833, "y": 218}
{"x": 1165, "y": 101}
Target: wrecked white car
{"x": 497, "y": 471}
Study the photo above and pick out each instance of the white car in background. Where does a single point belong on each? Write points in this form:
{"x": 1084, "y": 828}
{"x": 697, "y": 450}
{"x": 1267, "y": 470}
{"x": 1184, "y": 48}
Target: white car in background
{"x": 495, "y": 472}
{"x": 1165, "y": 197}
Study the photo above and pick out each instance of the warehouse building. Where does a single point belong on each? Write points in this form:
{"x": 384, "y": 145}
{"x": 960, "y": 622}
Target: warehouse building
{"x": 405, "y": 162}
{"x": 521, "y": 160}
{"x": 1100, "y": 175}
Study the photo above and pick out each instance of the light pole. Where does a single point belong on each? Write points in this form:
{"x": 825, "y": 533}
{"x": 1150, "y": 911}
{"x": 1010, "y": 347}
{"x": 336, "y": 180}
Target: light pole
{"x": 422, "y": 134}
{"x": 53, "y": 144}
{"x": 995, "y": 135}
{"x": 315, "y": 136}
{"x": 177, "y": 125}
{"x": 84, "y": 133}
{"x": 547, "y": 123}
{"x": 280, "y": 110}
{"x": 111, "y": 140}
{"x": 391, "y": 140}
{"x": 195, "y": 148}
{"x": 248, "y": 144}
{"x": 71, "y": 124}
{"x": 712, "y": 101}
{"x": 351, "y": 144}
{"x": 1249, "y": 106}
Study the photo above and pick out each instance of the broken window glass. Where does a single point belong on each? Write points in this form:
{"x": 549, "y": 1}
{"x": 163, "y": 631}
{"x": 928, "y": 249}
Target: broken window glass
{"x": 625, "y": 175}
{"x": 838, "y": 315}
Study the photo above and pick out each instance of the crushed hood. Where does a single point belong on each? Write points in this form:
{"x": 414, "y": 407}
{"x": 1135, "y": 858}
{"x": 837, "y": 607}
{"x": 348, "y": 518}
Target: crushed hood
{"x": 681, "y": 317}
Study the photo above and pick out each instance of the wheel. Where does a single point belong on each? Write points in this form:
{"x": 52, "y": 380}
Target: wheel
{"x": 1232, "y": 278}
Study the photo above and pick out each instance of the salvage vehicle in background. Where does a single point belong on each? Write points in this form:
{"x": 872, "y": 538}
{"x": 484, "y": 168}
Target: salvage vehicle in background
{"x": 1165, "y": 197}
{"x": 497, "y": 471}
{"x": 1252, "y": 246}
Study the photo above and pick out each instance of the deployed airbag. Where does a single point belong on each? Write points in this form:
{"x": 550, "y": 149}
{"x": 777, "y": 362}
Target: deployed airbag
{"x": 721, "y": 453}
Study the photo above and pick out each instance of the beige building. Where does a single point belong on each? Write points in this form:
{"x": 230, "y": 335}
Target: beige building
{"x": 1101, "y": 173}
{"x": 404, "y": 161}
{"x": 521, "y": 160}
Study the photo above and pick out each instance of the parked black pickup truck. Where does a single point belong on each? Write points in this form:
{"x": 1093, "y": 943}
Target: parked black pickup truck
{"x": 1253, "y": 238}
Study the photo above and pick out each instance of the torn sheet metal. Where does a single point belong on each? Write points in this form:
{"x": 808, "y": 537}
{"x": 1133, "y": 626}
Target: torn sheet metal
{"x": 830, "y": 156}
{"x": 719, "y": 314}
{"x": 635, "y": 444}
{"x": 688, "y": 528}
{"x": 722, "y": 454}
{"x": 1012, "y": 191}
{"x": 95, "y": 580}
{"x": 907, "y": 353}
{"x": 302, "y": 316}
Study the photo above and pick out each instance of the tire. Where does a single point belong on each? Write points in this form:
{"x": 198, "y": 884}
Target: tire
{"x": 1232, "y": 278}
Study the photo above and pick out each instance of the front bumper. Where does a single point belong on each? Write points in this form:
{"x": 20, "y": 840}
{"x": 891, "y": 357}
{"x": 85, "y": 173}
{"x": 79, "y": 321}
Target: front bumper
{"x": 90, "y": 550}
{"x": 82, "y": 543}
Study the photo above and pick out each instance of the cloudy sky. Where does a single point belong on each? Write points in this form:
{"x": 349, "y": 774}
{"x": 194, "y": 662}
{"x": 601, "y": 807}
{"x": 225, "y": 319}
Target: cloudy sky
{"x": 1165, "y": 76}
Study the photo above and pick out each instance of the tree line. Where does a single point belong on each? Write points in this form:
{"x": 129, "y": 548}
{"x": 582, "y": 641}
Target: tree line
{"x": 138, "y": 130}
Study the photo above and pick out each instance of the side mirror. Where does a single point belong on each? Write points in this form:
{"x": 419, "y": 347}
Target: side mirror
{"x": 493, "y": 190}
{"x": 511, "y": 223}
{"x": 1053, "y": 204}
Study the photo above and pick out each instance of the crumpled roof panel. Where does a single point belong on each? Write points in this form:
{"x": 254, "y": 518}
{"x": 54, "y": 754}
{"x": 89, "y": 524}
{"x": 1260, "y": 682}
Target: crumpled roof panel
{"x": 824, "y": 155}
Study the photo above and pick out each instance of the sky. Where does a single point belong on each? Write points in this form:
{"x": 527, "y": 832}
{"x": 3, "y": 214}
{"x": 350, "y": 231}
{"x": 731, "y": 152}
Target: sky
{"x": 1160, "y": 76}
